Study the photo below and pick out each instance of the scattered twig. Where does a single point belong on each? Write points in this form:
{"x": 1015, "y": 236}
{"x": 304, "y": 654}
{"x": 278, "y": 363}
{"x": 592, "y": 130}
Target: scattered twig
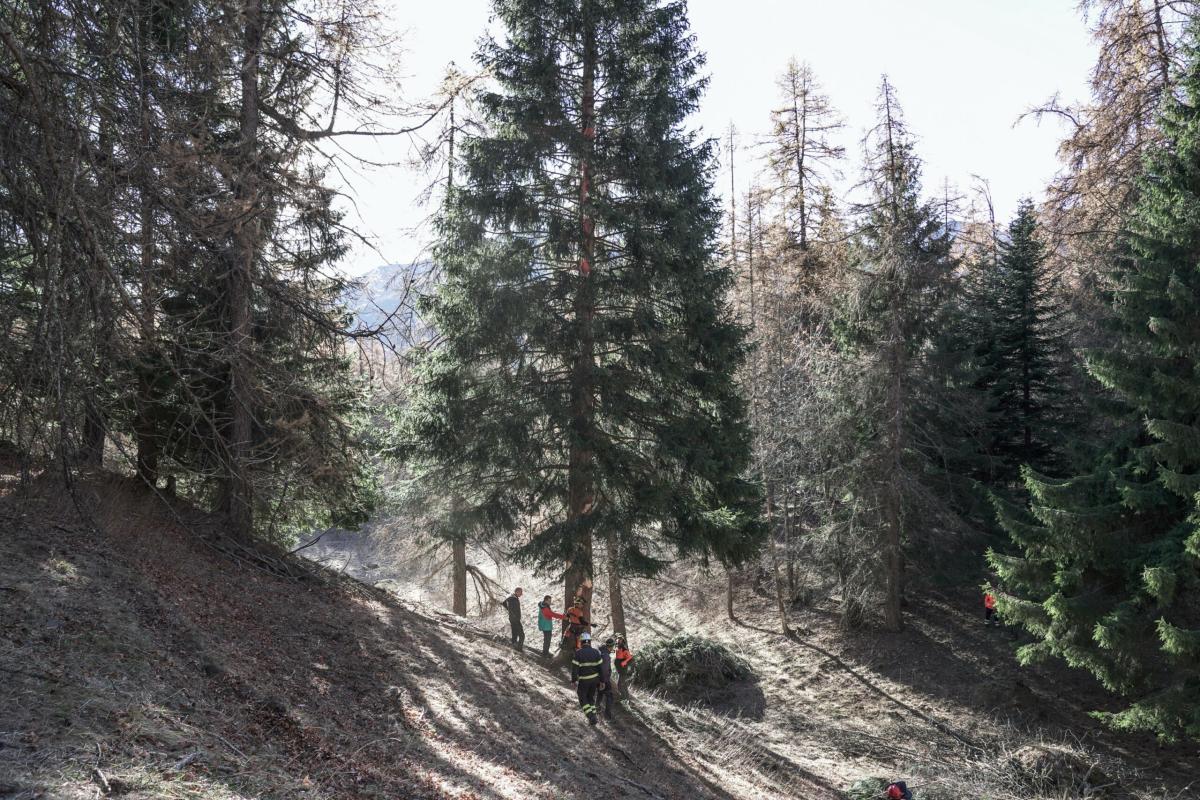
{"x": 101, "y": 781}
{"x": 229, "y": 744}
{"x": 645, "y": 789}
{"x": 185, "y": 761}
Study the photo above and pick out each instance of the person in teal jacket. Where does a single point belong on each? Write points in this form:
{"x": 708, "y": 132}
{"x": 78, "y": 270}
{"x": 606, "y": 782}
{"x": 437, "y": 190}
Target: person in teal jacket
{"x": 546, "y": 618}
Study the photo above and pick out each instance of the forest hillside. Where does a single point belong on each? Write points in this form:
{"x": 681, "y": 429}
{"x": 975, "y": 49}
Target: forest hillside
{"x": 867, "y": 477}
{"x": 142, "y": 661}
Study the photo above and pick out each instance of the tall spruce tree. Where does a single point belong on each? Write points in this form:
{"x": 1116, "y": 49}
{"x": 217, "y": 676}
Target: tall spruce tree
{"x": 1108, "y": 571}
{"x": 585, "y": 377}
{"x": 1023, "y": 355}
{"x": 905, "y": 272}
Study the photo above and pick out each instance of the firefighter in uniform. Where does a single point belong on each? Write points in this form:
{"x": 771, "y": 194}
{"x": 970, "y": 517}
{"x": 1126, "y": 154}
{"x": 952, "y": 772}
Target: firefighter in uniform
{"x": 588, "y": 674}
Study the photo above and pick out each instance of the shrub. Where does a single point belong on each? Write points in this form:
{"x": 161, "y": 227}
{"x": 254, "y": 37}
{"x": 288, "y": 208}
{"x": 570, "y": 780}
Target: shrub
{"x": 867, "y": 789}
{"x": 686, "y": 661}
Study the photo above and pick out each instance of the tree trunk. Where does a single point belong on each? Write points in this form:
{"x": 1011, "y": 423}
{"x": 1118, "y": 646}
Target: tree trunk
{"x": 729, "y": 594}
{"x": 894, "y": 567}
{"x": 459, "y": 546}
{"x": 580, "y": 489}
{"x": 782, "y": 606}
{"x": 787, "y": 546}
{"x": 143, "y": 425}
{"x": 91, "y": 450}
{"x": 239, "y": 496}
{"x": 615, "y": 599}
{"x": 145, "y": 435}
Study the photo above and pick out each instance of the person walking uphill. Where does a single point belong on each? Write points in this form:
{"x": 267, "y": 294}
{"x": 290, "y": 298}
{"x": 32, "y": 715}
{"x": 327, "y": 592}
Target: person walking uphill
{"x": 513, "y": 604}
{"x": 588, "y": 675}
{"x": 605, "y": 695}
{"x": 546, "y": 618}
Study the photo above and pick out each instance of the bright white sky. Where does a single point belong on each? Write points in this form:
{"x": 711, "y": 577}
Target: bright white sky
{"x": 964, "y": 70}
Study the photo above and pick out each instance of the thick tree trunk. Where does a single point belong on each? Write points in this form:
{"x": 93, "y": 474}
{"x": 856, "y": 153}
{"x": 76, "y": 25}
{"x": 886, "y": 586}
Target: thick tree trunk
{"x": 459, "y": 566}
{"x": 615, "y": 599}
{"x": 95, "y": 431}
{"x": 580, "y": 488}
{"x": 144, "y": 429}
{"x": 239, "y": 496}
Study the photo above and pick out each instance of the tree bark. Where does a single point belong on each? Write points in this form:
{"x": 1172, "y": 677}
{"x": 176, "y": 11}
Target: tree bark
{"x": 729, "y": 594}
{"x": 892, "y": 545}
{"x": 782, "y": 606}
{"x": 144, "y": 429}
{"x": 615, "y": 599}
{"x": 580, "y": 488}
{"x": 787, "y": 545}
{"x": 239, "y": 496}
{"x": 459, "y": 546}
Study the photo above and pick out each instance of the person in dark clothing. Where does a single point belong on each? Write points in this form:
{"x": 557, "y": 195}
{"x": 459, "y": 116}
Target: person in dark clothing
{"x": 513, "y": 604}
{"x": 588, "y": 675}
{"x": 899, "y": 791}
{"x": 546, "y": 617}
{"x": 606, "y": 688}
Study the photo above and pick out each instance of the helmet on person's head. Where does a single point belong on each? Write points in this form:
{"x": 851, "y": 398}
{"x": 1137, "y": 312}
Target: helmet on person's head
{"x": 579, "y": 601}
{"x": 609, "y": 642}
{"x": 894, "y": 792}
{"x": 585, "y": 637}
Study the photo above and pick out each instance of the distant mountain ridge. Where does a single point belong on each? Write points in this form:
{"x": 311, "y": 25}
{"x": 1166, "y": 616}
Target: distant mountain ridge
{"x": 386, "y": 298}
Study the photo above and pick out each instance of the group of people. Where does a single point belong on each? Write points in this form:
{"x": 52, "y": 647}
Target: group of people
{"x": 598, "y": 674}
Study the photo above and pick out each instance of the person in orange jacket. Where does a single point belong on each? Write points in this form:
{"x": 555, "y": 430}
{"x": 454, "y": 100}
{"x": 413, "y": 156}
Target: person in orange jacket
{"x": 623, "y": 660}
{"x": 989, "y": 608}
{"x": 575, "y": 624}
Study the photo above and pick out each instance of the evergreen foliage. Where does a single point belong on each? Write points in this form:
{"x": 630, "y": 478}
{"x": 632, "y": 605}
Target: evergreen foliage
{"x": 171, "y": 299}
{"x": 902, "y": 256}
{"x": 1109, "y": 562}
{"x": 687, "y": 662}
{"x": 585, "y": 374}
{"x": 1021, "y": 354}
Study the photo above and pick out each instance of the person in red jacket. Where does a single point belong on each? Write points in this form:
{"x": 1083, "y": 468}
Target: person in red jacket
{"x": 546, "y": 618}
{"x": 989, "y": 608}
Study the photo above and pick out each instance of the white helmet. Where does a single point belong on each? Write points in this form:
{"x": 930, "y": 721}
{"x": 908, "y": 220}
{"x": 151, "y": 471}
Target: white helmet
{"x": 585, "y": 637}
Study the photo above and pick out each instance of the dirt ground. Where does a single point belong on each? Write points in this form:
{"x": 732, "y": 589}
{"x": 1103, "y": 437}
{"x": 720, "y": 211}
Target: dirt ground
{"x": 141, "y": 660}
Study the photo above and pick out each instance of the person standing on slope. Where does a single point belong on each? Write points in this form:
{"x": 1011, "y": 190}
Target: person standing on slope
{"x": 513, "y": 604}
{"x": 624, "y": 660}
{"x": 989, "y": 608}
{"x": 576, "y": 623}
{"x": 606, "y": 688}
{"x": 588, "y": 675}
{"x": 546, "y": 617}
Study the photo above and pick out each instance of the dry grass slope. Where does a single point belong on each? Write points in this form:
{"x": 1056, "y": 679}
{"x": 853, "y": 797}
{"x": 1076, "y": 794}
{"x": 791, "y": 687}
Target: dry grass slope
{"x": 139, "y": 662}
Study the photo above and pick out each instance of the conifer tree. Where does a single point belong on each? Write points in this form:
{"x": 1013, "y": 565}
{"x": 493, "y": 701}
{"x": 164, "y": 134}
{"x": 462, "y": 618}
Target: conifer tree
{"x": 1108, "y": 568}
{"x": 585, "y": 380}
{"x": 906, "y": 269}
{"x": 1023, "y": 354}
